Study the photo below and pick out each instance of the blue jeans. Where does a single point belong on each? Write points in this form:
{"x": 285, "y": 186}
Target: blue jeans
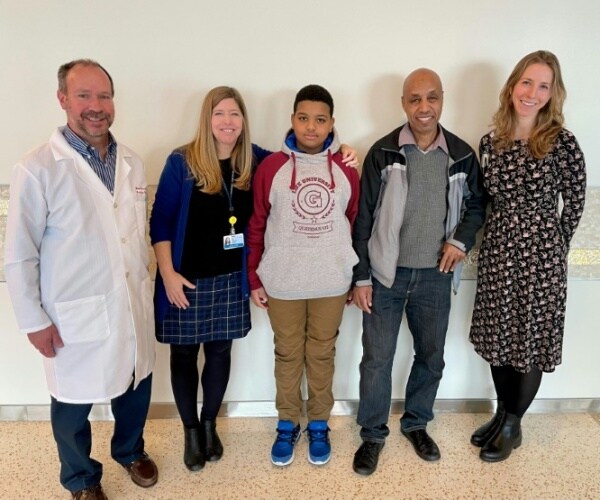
{"x": 425, "y": 296}
{"x": 73, "y": 435}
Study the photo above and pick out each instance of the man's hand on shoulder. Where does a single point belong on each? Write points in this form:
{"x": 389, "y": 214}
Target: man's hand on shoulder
{"x": 46, "y": 341}
{"x": 349, "y": 156}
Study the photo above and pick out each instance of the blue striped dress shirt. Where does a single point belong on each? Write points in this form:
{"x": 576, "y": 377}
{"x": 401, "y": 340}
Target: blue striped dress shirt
{"x": 105, "y": 169}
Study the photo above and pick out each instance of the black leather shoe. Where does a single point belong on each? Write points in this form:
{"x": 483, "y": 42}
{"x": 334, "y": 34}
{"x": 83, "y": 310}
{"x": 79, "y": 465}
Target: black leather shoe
{"x": 507, "y": 438}
{"x": 209, "y": 441}
{"x": 424, "y": 446}
{"x": 193, "y": 458}
{"x": 366, "y": 457}
{"x": 488, "y": 430}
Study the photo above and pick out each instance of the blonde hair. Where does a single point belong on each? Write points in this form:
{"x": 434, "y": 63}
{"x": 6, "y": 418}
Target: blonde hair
{"x": 549, "y": 120}
{"x": 201, "y": 154}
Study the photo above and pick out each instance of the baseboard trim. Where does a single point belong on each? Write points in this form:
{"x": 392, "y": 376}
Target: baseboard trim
{"x": 350, "y": 407}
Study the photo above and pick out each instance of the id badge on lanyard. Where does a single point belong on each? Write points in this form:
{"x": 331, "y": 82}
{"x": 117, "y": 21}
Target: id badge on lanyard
{"x": 233, "y": 239}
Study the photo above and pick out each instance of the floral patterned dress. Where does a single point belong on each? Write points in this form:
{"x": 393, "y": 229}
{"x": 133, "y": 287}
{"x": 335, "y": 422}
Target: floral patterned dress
{"x": 518, "y": 317}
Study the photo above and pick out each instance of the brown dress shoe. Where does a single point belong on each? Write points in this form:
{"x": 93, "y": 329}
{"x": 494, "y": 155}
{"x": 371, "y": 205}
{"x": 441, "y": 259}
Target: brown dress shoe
{"x": 143, "y": 471}
{"x": 92, "y": 493}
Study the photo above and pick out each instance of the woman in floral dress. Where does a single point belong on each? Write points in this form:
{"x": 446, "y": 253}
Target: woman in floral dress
{"x": 529, "y": 161}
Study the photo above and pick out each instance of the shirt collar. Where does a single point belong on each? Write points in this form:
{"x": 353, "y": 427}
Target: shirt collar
{"x": 406, "y": 137}
{"x": 83, "y": 147}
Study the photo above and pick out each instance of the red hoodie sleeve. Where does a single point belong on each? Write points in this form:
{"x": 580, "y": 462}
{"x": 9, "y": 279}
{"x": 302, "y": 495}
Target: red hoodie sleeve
{"x": 261, "y": 189}
{"x": 354, "y": 180}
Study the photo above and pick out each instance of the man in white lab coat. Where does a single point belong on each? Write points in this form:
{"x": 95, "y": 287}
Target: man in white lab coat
{"x": 76, "y": 264}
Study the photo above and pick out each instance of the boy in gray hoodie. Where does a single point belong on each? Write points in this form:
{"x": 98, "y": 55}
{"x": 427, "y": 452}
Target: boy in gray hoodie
{"x": 300, "y": 265}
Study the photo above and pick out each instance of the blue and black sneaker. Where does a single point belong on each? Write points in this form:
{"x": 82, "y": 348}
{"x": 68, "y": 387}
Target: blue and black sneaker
{"x": 282, "y": 452}
{"x": 319, "y": 448}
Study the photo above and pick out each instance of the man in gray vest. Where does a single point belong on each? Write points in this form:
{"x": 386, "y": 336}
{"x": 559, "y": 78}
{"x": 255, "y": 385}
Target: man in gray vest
{"x": 421, "y": 205}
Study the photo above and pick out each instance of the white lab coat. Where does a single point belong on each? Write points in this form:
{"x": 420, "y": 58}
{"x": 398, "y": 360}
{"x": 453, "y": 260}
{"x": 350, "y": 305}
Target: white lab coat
{"x": 77, "y": 256}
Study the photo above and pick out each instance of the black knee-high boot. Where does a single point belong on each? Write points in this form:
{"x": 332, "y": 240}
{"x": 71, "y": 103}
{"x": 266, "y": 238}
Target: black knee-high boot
{"x": 215, "y": 376}
{"x": 193, "y": 457}
{"x": 502, "y": 377}
{"x": 517, "y": 390}
{"x": 487, "y": 431}
{"x": 507, "y": 438}
{"x": 209, "y": 440}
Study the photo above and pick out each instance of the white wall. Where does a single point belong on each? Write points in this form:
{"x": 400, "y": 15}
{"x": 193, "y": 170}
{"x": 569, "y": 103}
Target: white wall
{"x": 164, "y": 56}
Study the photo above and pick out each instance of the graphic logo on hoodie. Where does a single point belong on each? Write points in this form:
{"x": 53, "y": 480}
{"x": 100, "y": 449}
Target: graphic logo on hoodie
{"x": 313, "y": 203}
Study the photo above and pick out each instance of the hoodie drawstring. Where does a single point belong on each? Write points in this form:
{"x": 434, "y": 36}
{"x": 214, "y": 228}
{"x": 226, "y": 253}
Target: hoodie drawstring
{"x": 293, "y": 182}
{"x": 329, "y": 165}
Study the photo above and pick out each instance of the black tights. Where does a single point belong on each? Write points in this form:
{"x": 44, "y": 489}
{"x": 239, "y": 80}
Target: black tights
{"x": 515, "y": 389}
{"x": 184, "y": 379}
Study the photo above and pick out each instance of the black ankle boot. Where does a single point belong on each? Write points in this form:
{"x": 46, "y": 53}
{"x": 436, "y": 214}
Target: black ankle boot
{"x": 507, "y": 438}
{"x": 209, "y": 440}
{"x": 193, "y": 458}
{"x": 487, "y": 431}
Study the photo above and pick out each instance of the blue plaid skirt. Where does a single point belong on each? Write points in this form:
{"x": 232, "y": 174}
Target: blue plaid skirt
{"x": 217, "y": 311}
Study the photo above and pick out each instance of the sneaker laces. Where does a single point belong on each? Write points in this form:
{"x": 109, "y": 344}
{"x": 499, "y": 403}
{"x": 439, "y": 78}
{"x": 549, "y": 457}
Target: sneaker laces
{"x": 286, "y": 436}
{"x": 317, "y": 434}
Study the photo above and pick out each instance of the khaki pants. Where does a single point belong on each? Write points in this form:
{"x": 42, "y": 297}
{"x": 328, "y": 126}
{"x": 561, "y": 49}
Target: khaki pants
{"x": 305, "y": 335}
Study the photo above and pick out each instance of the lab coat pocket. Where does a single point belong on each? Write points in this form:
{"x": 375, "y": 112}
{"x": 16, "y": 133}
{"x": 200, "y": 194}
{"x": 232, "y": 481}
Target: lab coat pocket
{"x": 83, "y": 320}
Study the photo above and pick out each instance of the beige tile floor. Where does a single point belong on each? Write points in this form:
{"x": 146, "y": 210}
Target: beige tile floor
{"x": 559, "y": 459}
